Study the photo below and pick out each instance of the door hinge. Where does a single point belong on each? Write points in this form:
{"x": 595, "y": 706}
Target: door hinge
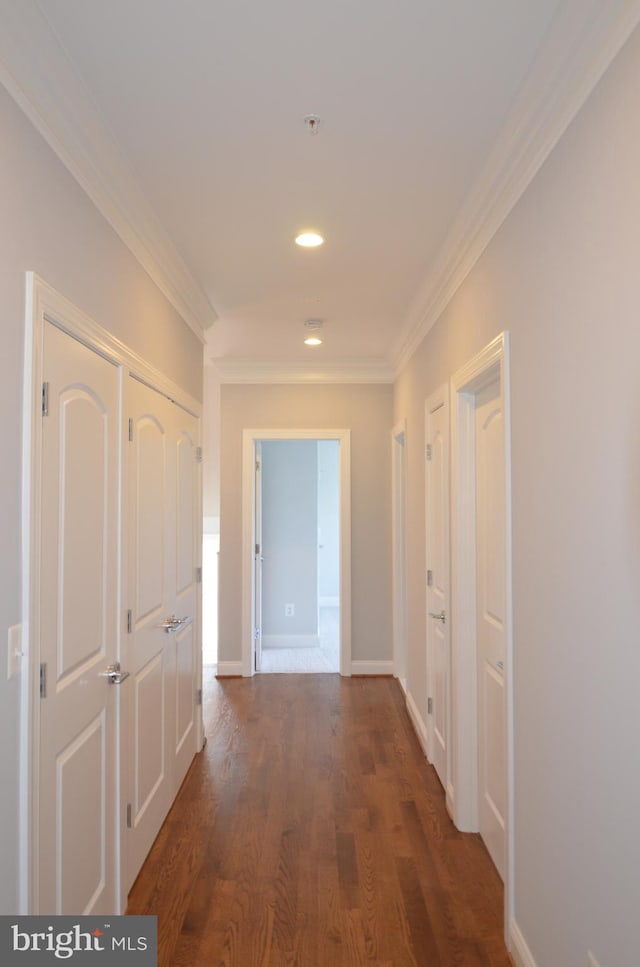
{"x": 198, "y": 575}
{"x": 256, "y": 634}
{"x": 428, "y": 451}
{"x": 129, "y": 622}
{"x": 199, "y": 697}
{"x": 429, "y": 706}
{"x": 257, "y": 550}
{"x": 45, "y": 399}
{"x": 198, "y": 454}
{"x": 43, "y": 680}
{"x": 129, "y": 810}
{"x": 429, "y": 579}
{"x": 130, "y": 429}
{"x": 257, "y": 465}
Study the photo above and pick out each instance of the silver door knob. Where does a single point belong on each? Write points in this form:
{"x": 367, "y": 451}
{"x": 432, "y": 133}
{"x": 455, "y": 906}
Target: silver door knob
{"x": 441, "y": 616}
{"x": 172, "y": 623}
{"x": 114, "y": 674}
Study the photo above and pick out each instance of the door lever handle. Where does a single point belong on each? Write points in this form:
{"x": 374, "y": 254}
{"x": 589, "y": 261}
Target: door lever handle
{"x": 441, "y": 616}
{"x": 113, "y": 673}
{"x": 172, "y": 623}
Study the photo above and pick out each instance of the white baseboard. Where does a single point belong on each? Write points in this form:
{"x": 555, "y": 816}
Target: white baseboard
{"x": 518, "y": 948}
{"x": 417, "y": 722}
{"x": 403, "y": 684}
{"x": 229, "y": 669}
{"x": 290, "y": 641}
{"x": 372, "y": 668}
{"x": 329, "y": 602}
{"x": 450, "y": 802}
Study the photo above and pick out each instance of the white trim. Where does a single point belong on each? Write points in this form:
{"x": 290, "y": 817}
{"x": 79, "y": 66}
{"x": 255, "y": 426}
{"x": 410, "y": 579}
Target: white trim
{"x": 372, "y": 668}
{"x": 581, "y": 43}
{"x": 418, "y": 723}
{"x": 291, "y": 641}
{"x": 253, "y": 371}
{"x": 491, "y": 363}
{"x": 229, "y": 669}
{"x": 44, "y": 303}
{"x": 399, "y": 547}
{"x": 518, "y": 948}
{"x": 329, "y": 601}
{"x": 37, "y": 74}
{"x": 249, "y": 439}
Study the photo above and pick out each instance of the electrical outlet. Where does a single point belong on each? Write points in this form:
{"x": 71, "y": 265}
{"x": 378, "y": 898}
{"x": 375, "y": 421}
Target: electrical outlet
{"x": 591, "y": 960}
{"x": 289, "y": 610}
{"x": 14, "y": 651}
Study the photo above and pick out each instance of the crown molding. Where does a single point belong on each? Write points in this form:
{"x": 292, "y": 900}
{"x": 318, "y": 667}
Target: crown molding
{"x": 583, "y": 40}
{"x": 259, "y": 371}
{"x": 38, "y": 75}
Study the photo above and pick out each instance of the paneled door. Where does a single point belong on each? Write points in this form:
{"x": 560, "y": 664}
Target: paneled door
{"x": 78, "y": 624}
{"x": 491, "y": 598}
{"x": 163, "y": 642}
{"x": 437, "y": 580}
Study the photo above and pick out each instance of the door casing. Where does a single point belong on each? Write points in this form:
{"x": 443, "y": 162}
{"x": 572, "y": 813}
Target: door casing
{"x": 488, "y": 366}
{"x": 250, "y": 437}
{"x": 44, "y": 303}
{"x": 399, "y": 545}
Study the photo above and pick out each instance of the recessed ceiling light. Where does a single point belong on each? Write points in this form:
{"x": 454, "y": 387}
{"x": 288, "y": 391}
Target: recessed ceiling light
{"x": 309, "y": 239}
{"x": 313, "y": 341}
{"x": 313, "y": 327}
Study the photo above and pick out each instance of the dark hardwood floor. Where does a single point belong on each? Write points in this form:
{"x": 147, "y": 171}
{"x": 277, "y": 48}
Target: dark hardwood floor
{"x": 311, "y": 831}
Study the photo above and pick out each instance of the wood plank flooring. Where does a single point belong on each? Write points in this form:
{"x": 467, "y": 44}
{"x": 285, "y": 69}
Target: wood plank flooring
{"x": 311, "y": 832}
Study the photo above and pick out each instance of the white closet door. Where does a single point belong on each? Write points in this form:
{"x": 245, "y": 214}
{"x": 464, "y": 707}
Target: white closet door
{"x": 78, "y": 574}
{"x": 163, "y": 653}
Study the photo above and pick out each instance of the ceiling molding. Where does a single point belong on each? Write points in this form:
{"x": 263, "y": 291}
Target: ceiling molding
{"x": 259, "y": 371}
{"x": 583, "y": 40}
{"x": 36, "y": 72}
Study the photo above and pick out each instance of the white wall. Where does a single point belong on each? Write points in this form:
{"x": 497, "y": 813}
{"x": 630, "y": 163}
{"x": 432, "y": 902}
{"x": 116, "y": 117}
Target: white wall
{"x": 367, "y": 412}
{"x": 563, "y": 276}
{"x": 49, "y": 225}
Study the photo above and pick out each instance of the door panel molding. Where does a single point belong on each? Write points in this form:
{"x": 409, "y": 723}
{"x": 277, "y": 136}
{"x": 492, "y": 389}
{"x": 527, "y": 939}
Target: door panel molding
{"x": 487, "y": 367}
{"x": 249, "y": 439}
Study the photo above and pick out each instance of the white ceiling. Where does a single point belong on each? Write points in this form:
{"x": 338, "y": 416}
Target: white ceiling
{"x": 417, "y": 99}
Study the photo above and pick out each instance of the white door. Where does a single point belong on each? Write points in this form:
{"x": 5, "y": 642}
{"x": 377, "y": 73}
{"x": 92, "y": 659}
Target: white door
{"x": 163, "y": 651}
{"x": 437, "y": 591}
{"x": 257, "y": 562}
{"x": 491, "y": 599}
{"x": 78, "y": 618}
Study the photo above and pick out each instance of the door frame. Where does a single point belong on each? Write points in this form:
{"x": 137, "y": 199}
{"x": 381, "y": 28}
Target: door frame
{"x": 44, "y": 304}
{"x": 399, "y": 545}
{"x": 249, "y": 439}
{"x": 437, "y": 400}
{"x": 488, "y": 366}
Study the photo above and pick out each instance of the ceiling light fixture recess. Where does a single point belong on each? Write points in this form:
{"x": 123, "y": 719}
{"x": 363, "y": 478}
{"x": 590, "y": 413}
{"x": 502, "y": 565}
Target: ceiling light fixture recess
{"x": 309, "y": 239}
{"x": 313, "y": 327}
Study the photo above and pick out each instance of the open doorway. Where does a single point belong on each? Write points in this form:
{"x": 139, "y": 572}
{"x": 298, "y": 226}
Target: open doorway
{"x": 296, "y": 505}
{"x": 300, "y": 556}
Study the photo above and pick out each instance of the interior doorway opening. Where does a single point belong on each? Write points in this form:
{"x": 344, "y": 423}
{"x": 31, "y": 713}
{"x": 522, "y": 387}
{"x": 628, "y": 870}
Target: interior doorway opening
{"x": 299, "y": 556}
{"x": 285, "y": 599}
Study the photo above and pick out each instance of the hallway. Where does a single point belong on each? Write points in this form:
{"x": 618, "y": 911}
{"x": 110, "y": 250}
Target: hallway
{"x": 311, "y": 831}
